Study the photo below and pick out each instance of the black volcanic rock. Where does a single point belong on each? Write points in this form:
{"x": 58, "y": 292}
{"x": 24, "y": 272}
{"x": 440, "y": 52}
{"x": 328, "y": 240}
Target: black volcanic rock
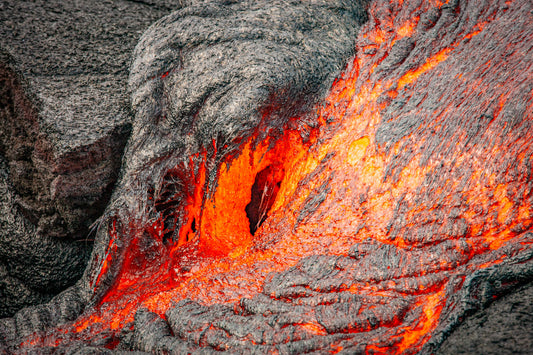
{"x": 65, "y": 118}
{"x": 33, "y": 269}
{"x": 506, "y": 327}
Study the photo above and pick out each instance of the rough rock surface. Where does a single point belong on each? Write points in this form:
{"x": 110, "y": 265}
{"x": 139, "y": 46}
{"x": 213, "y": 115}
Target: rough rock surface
{"x": 506, "y": 327}
{"x": 65, "y": 118}
{"x": 316, "y": 292}
{"x": 284, "y": 58}
{"x": 32, "y": 269}
{"x": 202, "y": 82}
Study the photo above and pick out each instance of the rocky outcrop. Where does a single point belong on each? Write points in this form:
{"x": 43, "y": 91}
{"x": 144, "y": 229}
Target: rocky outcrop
{"x": 65, "y": 118}
{"x": 503, "y": 328}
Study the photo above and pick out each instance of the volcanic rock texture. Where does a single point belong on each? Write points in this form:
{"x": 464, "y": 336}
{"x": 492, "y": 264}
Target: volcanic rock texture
{"x": 259, "y": 212}
{"x": 205, "y": 81}
{"x": 65, "y": 120}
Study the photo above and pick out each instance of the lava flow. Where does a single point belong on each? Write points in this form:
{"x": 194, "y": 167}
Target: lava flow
{"x": 365, "y": 233}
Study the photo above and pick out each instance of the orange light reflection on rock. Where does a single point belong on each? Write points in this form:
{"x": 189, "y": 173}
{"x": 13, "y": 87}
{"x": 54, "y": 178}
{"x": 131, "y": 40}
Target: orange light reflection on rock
{"x": 431, "y": 308}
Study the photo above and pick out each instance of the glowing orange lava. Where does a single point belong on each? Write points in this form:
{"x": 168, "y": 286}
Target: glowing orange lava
{"x": 345, "y": 186}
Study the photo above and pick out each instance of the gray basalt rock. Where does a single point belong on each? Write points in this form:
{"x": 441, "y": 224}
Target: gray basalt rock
{"x": 65, "y": 118}
{"x": 504, "y": 328}
{"x": 33, "y": 268}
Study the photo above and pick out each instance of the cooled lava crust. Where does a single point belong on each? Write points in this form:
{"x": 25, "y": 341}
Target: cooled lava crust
{"x": 311, "y": 176}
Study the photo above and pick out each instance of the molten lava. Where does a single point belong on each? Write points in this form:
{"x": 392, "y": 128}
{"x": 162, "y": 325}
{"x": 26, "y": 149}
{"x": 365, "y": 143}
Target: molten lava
{"x": 417, "y": 175}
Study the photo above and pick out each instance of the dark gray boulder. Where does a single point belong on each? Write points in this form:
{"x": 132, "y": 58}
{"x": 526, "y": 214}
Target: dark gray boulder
{"x": 504, "y": 328}
{"x": 33, "y": 268}
{"x": 65, "y": 118}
